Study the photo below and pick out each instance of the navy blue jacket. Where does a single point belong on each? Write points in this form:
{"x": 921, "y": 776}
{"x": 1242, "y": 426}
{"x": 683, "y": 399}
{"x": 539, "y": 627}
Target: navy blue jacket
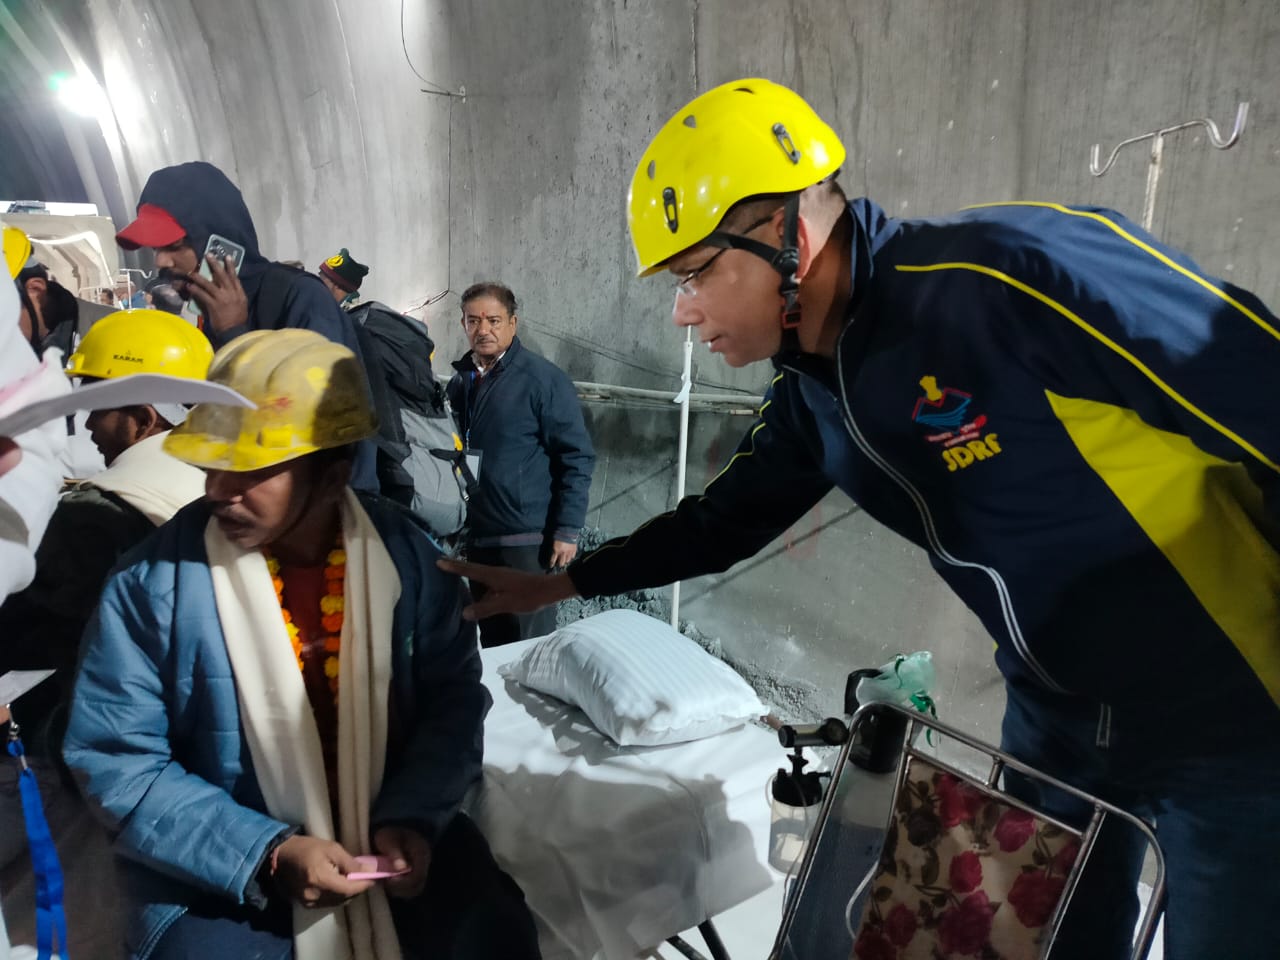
{"x": 203, "y": 201}
{"x": 1073, "y": 420}
{"x": 156, "y": 735}
{"x": 536, "y": 456}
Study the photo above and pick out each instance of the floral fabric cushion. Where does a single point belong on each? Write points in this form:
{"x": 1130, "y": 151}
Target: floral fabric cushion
{"x": 963, "y": 874}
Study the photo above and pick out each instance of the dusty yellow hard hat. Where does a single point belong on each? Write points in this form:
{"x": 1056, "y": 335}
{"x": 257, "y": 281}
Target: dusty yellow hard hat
{"x": 17, "y": 250}
{"x": 740, "y": 140}
{"x": 311, "y": 395}
{"x": 141, "y": 341}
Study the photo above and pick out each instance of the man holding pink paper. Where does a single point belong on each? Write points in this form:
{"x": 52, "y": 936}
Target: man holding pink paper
{"x": 279, "y": 705}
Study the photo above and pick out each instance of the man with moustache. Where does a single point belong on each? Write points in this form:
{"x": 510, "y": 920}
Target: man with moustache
{"x": 280, "y": 681}
{"x": 520, "y": 413}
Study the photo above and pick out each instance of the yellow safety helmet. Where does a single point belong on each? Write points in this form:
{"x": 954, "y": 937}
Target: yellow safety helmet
{"x": 742, "y": 139}
{"x": 311, "y": 395}
{"x": 141, "y": 341}
{"x": 17, "y": 251}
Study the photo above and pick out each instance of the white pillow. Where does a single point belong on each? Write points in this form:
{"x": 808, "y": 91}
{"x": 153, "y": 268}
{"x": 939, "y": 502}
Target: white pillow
{"x": 639, "y": 681}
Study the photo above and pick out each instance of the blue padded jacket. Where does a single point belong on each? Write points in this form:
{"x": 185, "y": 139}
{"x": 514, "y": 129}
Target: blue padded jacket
{"x": 155, "y": 735}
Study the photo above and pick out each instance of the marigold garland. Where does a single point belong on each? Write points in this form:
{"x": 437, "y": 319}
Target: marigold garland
{"x": 332, "y": 607}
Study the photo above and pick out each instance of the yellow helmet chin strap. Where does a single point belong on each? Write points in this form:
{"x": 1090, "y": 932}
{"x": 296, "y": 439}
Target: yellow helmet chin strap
{"x": 784, "y": 259}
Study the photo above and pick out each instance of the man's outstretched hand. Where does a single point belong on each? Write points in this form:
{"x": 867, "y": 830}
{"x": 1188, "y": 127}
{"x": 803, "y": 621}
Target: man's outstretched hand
{"x": 510, "y": 591}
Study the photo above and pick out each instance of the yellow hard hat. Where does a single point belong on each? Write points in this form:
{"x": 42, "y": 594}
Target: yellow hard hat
{"x": 742, "y": 139}
{"x": 141, "y": 341}
{"x": 17, "y": 250}
{"x": 311, "y": 395}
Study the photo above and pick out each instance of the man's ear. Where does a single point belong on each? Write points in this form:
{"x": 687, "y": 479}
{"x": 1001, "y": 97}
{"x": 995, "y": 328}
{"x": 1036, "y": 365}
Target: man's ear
{"x": 36, "y": 286}
{"x": 148, "y": 420}
{"x": 804, "y": 234}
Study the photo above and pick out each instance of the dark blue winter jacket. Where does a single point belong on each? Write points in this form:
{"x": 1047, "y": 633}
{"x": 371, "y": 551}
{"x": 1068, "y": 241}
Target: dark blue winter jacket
{"x": 536, "y": 456}
{"x": 156, "y": 735}
{"x": 1072, "y": 419}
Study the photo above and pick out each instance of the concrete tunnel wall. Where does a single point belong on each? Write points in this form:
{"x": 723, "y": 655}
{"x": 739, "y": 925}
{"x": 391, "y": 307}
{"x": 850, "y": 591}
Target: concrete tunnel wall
{"x": 312, "y": 108}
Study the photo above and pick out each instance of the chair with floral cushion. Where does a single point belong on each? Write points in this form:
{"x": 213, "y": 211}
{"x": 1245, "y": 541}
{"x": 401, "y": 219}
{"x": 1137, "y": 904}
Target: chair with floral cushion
{"x": 966, "y": 870}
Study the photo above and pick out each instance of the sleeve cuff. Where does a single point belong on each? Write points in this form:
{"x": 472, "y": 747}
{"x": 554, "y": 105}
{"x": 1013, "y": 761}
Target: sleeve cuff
{"x": 255, "y": 891}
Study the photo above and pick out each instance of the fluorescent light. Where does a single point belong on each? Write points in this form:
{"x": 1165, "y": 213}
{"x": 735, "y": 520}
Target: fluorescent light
{"x": 79, "y": 94}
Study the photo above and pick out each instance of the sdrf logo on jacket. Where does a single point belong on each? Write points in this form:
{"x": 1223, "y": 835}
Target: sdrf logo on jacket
{"x": 958, "y": 432}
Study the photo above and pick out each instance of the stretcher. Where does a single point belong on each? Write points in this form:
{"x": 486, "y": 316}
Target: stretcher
{"x": 619, "y": 849}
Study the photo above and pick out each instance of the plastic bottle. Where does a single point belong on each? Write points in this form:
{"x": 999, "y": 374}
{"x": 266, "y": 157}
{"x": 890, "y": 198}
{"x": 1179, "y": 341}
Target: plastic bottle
{"x": 796, "y": 797}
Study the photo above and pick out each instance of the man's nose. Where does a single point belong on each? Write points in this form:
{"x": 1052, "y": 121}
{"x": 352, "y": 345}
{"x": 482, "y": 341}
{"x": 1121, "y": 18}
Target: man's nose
{"x": 220, "y": 485}
{"x": 686, "y": 312}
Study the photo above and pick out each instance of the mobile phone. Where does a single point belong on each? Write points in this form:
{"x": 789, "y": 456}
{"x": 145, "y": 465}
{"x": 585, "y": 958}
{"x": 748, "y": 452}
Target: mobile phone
{"x": 221, "y": 248}
{"x": 375, "y": 868}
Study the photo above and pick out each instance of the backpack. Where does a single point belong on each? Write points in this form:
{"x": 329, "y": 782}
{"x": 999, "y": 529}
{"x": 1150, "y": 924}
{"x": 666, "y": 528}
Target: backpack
{"x": 419, "y": 453}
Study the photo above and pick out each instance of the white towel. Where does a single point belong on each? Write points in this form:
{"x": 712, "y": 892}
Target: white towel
{"x": 280, "y": 725}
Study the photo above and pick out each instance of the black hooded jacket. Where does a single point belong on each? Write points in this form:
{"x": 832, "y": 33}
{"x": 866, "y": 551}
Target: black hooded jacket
{"x": 200, "y": 197}
{"x": 203, "y": 201}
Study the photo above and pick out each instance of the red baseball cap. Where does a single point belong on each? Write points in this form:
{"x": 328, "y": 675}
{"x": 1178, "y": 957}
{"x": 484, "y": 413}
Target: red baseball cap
{"x": 152, "y": 228}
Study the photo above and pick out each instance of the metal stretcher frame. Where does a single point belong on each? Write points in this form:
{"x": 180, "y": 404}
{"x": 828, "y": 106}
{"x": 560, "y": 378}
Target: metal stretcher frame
{"x": 1000, "y": 760}
{"x": 715, "y": 946}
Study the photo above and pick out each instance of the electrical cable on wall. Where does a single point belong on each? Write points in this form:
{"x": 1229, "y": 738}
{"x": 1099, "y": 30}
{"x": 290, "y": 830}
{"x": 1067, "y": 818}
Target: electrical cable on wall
{"x": 439, "y": 91}
{"x": 598, "y": 350}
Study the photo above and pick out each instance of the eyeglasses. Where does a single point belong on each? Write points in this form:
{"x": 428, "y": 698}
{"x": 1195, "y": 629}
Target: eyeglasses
{"x": 688, "y": 284}
{"x": 495, "y": 323}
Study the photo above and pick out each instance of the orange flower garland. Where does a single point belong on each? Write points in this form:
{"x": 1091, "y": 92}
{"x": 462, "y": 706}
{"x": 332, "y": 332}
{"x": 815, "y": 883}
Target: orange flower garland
{"x": 332, "y": 608}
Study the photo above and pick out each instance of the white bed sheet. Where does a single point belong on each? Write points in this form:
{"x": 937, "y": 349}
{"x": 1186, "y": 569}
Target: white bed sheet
{"x": 618, "y": 848}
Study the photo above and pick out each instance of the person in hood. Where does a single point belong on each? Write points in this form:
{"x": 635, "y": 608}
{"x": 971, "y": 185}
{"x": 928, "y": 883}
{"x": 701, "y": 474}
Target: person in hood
{"x": 179, "y": 209}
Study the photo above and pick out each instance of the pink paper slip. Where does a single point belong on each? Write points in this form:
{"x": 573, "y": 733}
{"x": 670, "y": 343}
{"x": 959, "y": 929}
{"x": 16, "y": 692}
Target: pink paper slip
{"x": 375, "y": 868}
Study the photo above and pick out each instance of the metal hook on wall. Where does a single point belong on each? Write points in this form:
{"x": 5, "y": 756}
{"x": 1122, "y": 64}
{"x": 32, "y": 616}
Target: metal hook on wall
{"x": 1157, "y": 152}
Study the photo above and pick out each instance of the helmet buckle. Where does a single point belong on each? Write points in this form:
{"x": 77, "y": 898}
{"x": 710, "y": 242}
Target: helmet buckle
{"x": 670, "y": 210}
{"x": 785, "y": 142}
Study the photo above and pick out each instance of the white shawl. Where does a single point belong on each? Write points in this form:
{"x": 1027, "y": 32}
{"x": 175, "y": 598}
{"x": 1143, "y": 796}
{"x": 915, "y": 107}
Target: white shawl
{"x": 280, "y": 724}
{"x": 150, "y": 480}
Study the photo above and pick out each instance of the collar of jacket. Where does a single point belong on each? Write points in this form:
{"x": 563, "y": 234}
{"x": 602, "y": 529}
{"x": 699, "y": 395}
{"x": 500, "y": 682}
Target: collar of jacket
{"x": 468, "y": 365}
{"x": 860, "y": 273}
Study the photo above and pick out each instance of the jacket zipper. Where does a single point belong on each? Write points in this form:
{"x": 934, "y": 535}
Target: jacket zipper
{"x": 931, "y": 533}
{"x": 1103, "y": 738}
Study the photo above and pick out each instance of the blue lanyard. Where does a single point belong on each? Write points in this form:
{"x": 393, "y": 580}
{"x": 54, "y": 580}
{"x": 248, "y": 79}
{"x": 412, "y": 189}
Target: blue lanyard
{"x": 50, "y": 918}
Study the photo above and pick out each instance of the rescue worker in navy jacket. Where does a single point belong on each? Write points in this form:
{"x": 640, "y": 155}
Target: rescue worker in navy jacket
{"x": 1072, "y": 418}
{"x": 521, "y": 413}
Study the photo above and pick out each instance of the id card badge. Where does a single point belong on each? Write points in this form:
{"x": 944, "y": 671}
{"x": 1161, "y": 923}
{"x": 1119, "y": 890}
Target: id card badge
{"x": 472, "y": 457}
{"x": 17, "y": 682}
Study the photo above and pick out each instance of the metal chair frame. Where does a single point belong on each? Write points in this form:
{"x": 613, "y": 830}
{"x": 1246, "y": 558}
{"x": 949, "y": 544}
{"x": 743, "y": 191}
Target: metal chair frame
{"x": 1000, "y": 761}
